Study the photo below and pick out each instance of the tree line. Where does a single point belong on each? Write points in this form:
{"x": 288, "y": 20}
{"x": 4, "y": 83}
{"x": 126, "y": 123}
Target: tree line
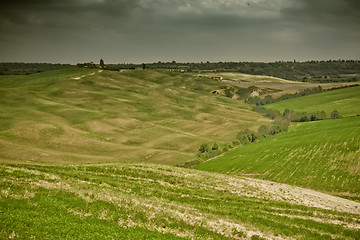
{"x": 18, "y": 68}
{"x": 309, "y": 71}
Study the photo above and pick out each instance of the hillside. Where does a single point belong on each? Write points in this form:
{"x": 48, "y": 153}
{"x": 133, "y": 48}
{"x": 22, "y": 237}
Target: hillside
{"x": 322, "y": 155}
{"x": 346, "y": 101}
{"x": 268, "y": 85}
{"x": 87, "y": 115}
{"x": 142, "y": 201}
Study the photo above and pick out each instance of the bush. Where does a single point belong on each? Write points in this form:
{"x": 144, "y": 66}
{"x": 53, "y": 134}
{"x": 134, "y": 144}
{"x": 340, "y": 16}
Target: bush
{"x": 215, "y": 147}
{"x": 246, "y": 136}
{"x": 204, "y": 148}
{"x": 263, "y": 131}
{"x": 335, "y": 114}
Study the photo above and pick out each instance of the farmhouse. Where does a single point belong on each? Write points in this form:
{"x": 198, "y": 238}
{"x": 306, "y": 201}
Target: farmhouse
{"x": 90, "y": 65}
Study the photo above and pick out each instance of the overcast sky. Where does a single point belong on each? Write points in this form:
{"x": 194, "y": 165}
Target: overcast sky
{"x": 136, "y": 31}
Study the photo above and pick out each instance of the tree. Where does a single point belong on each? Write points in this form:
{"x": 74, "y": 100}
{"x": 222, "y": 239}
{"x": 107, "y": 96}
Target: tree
{"x": 268, "y": 99}
{"x": 143, "y": 66}
{"x": 102, "y": 63}
{"x": 335, "y": 114}
{"x": 263, "y": 131}
{"x": 215, "y": 147}
{"x": 204, "y": 148}
{"x": 322, "y": 115}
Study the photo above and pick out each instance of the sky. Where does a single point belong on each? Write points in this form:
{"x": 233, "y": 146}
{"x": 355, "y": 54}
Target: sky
{"x": 137, "y": 31}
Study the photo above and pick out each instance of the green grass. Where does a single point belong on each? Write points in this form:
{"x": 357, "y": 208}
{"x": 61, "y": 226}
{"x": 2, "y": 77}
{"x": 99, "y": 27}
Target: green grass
{"x": 321, "y": 155}
{"x": 346, "y": 101}
{"x": 160, "y": 116}
{"x": 128, "y": 201}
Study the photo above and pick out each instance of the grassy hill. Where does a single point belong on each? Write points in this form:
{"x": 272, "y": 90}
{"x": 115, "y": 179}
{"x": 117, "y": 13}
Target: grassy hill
{"x": 346, "y": 101}
{"x": 142, "y": 201}
{"x": 321, "y": 155}
{"x": 87, "y": 115}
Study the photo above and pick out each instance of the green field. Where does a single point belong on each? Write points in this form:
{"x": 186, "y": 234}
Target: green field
{"x": 85, "y": 115}
{"x": 90, "y": 154}
{"x": 346, "y": 101}
{"x": 141, "y": 201}
{"x": 322, "y": 155}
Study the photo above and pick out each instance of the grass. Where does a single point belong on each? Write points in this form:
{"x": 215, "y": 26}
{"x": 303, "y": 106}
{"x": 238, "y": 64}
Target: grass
{"x": 51, "y": 122}
{"x": 85, "y": 115}
{"x": 346, "y": 101}
{"x": 321, "y": 155}
{"x": 142, "y": 201}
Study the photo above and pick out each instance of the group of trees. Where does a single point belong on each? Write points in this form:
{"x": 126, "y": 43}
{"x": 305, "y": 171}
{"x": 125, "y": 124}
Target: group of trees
{"x": 292, "y": 116}
{"x": 310, "y": 71}
{"x": 17, "y": 68}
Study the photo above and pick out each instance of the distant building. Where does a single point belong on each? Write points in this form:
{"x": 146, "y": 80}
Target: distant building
{"x": 90, "y": 65}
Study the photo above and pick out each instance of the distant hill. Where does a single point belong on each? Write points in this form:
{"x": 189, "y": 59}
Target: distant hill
{"x": 309, "y": 71}
{"x": 345, "y": 100}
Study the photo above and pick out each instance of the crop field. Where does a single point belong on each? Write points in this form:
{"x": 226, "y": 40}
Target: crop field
{"x": 143, "y": 201}
{"x": 88, "y": 115}
{"x": 345, "y": 100}
{"x": 322, "y": 155}
{"x": 272, "y": 85}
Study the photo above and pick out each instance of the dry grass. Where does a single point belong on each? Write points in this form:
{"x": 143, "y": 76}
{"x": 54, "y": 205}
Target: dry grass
{"x": 182, "y": 201}
{"x": 86, "y": 115}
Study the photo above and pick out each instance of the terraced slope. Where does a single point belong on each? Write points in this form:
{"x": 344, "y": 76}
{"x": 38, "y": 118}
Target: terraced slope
{"x": 272, "y": 85}
{"x": 80, "y": 115}
{"x": 141, "y": 201}
{"x": 321, "y": 155}
{"x": 346, "y": 101}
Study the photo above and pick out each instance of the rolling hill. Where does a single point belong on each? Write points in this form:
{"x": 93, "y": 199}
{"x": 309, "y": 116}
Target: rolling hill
{"x": 87, "y": 115}
{"x": 273, "y": 86}
{"x": 345, "y": 100}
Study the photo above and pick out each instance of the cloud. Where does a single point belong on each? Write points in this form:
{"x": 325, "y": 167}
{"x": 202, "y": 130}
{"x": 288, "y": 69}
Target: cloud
{"x": 330, "y": 13}
{"x": 65, "y": 13}
{"x": 197, "y": 29}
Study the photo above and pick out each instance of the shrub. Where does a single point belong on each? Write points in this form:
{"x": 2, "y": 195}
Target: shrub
{"x": 215, "y": 147}
{"x": 204, "y": 148}
{"x": 263, "y": 131}
{"x": 335, "y": 114}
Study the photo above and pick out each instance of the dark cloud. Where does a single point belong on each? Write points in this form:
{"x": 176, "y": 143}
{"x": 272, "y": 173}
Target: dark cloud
{"x": 336, "y": 13}
{"x": 65, "y": 13}
{"x": 151, "y": 30}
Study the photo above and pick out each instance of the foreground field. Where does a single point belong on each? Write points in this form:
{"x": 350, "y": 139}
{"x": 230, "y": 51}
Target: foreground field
{"x": 87, "y": 115}
{"x": 321, "y": 155}
{"x": 345, "y": 100}
{"x": 140, "y": 201}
